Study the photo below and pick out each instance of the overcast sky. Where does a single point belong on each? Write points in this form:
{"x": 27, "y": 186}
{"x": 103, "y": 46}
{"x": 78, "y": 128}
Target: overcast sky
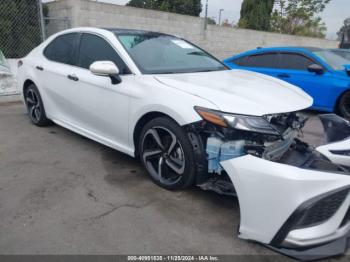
{"x": 334, "y": 14}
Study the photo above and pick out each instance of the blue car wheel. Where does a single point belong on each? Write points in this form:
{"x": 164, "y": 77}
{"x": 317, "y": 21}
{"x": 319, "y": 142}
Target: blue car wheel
{"x": 344, "y": 105}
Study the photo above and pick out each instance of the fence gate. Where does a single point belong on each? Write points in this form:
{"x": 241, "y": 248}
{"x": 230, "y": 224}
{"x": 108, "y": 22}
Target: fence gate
{"x": 20, "y": 27}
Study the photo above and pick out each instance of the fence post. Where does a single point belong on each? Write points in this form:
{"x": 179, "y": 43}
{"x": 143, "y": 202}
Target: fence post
{"x": 42, "y": 21}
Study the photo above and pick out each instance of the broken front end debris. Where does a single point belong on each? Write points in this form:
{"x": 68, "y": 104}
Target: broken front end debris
{"x": 293, "y": 196}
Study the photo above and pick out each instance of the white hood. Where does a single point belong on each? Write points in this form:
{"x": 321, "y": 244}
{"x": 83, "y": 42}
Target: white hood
{"x": 241, "y": 92}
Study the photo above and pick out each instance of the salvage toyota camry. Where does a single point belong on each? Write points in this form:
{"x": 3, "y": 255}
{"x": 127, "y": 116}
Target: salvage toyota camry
{"x": 191, "y": 120}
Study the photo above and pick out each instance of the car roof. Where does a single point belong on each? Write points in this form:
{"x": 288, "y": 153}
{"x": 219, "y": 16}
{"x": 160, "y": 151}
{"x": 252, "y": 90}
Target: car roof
{"x": 289, "y": 48}
{"x": 122, "y": 31}
{"x": 260, "y": 50}
{"x": 340, "y": 50}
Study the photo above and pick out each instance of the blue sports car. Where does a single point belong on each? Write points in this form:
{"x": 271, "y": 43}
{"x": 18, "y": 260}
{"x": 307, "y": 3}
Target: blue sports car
{"x": 321, "y": 73}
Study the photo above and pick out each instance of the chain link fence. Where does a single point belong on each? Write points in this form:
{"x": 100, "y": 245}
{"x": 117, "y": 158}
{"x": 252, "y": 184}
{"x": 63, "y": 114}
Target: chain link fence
{"x": 53, "y": 25}
{"x": 20, "y": 27}
{"x": 24, "y": 24}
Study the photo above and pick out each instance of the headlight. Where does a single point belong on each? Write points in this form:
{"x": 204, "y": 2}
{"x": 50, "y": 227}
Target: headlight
{"x": 241, "y": 122}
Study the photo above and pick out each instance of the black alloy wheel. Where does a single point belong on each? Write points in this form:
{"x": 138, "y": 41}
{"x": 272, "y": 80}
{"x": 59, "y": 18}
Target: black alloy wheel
{"x": 167, "y": 154}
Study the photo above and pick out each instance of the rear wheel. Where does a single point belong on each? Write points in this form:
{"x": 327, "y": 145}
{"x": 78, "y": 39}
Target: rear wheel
{"x": 167, "y": 154}
{"x": 35, "y": 106}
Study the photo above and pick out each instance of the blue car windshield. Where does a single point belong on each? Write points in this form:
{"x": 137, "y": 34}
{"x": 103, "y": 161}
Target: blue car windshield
{"x": 343, "y": 53}
{"x": 333, "y": 60}
{"x": 163, "y": 54}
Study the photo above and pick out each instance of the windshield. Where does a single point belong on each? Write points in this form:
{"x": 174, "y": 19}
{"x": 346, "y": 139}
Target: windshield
{"x": 343, "y": 53}
{"x": 163, "y": 54}
{"x": 333, "y": 60}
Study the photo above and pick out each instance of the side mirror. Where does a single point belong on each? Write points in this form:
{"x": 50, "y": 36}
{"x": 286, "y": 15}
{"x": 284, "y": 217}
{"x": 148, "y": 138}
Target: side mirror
{"x": 106, "y": 68}
{"x": 315, "y": 68}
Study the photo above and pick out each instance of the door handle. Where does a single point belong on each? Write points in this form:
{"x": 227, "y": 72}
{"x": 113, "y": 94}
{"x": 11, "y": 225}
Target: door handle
{"x": 73, "y": 77}
{"x": 283, "y": 75}
{"x": 40, "y": 68}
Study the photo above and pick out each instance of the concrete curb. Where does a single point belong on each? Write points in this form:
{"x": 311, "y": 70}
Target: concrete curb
{"x": 10, "y": 98}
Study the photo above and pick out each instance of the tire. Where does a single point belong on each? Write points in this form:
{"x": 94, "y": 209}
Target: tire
{"x": 35, "y": 106}
{"x": 344, "y": 105}
{"x": 167, "y": 154}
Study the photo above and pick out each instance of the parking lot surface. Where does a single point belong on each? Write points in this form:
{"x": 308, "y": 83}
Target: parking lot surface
{"x": 61, "y": 193}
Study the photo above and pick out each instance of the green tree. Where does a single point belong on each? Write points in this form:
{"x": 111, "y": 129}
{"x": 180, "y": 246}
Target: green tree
{"x": 148, "y": 4}
{"x": 211, "y": 21}
{"x": 256, "y": 14}
{"x": 185, "y": 7}
{"x": 299, "y": 17}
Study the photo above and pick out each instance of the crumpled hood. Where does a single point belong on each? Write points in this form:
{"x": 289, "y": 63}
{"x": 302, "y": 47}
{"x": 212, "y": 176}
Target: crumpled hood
{"x": 240, "y": 91}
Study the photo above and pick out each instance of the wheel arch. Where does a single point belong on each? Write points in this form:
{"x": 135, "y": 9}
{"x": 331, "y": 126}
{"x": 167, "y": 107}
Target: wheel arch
{"x": 26, "y": 84}
{"x": 336, "y": 105}
{"x": 140, "y": 124}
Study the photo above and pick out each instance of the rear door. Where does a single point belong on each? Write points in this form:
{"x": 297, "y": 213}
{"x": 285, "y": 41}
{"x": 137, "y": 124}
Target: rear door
{"x": 293, "y": 68}
{"x": 53, "y": 71}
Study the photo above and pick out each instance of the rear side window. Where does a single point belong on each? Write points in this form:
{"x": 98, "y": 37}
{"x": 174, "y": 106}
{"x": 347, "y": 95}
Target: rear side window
{"x": 63, "y": 49}
{"x": 261, "y": 60}
{"x": 94, "y": 48}
{"x": 294, "y": 61}
{"x": 240, "y": 61}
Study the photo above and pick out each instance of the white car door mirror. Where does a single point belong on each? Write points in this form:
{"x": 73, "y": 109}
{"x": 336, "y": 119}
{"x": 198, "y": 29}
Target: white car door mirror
{"x": 106, "y": 68}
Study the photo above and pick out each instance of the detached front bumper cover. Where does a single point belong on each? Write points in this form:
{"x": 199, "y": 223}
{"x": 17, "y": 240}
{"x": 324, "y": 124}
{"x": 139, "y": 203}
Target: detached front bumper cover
{"x": 303, "y": 213}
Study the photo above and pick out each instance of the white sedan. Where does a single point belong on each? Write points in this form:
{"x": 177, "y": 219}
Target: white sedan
{"x": 192, "y": 121}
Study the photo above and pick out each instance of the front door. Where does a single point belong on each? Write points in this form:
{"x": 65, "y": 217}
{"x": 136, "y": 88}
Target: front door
{"x": 99, "y": 106}
{"x": 293, "y": 68}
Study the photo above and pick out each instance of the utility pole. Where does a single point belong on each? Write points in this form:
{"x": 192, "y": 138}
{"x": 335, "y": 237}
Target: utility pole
{"x": 42, "y": 21}
{"x": 221, "y": 10}
{"x": 206, "y": 16}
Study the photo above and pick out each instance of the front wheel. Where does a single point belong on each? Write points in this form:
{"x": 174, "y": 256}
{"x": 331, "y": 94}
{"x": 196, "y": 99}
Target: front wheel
{"x": 167, "y": 154}
{"x": 344, "y": 105}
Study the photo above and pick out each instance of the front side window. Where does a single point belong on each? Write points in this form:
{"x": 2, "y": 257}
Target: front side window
{"x": 261, "y": 60}
{"x": 63, "y": 49}
{"x": 162, "y": 54}
{"x": 93, "y": 48}
{"x": 294, "y": 61}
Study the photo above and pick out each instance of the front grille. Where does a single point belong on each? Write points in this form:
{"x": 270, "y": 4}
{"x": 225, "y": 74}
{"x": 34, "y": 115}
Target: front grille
{"x": 346, "y": 218}
{"x": 322, "y": 210}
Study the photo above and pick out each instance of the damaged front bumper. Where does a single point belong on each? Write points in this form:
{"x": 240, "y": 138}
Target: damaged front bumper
{"x": 300, "y": 211}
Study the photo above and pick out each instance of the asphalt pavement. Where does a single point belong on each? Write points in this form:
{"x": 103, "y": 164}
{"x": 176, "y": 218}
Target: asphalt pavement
{"x": 61, "y": 193}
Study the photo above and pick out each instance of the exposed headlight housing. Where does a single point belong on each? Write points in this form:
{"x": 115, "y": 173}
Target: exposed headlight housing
{"x": 240, "y": 122}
